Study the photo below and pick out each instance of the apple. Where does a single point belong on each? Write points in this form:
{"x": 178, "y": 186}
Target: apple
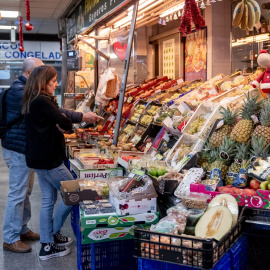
{"x": 254, "y": 184}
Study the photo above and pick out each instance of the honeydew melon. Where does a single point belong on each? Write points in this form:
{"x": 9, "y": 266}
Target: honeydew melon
{"x": 215, "y": 223}
{"x": 226, "y": 200}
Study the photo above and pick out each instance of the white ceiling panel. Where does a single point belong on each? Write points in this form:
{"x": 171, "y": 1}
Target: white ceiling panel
{"x": 44, "y": 14}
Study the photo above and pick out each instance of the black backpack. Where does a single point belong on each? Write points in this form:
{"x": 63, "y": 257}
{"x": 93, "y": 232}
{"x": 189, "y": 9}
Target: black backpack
{"x": 3, "y": 124}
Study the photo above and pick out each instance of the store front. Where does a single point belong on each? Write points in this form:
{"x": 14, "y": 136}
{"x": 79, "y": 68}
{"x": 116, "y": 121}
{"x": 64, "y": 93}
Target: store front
{"x": 169, "y": 113}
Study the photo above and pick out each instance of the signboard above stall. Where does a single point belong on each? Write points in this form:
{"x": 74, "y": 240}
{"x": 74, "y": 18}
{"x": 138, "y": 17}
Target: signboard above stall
{"x": 90, "y": 12}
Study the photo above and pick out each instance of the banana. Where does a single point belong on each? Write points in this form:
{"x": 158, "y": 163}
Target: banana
{"x": 251, "y": 16}
{"x": 257, "y": 10}
{"x": 237, "y": 14}
{"x": 244, "y": 20}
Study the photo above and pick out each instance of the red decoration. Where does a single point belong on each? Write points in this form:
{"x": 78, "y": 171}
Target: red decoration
{"x": 28, "y": 26}
{"x": 191, "y": 14}
{"x": 21, "y": 48}
{"x": 120, "y": 50}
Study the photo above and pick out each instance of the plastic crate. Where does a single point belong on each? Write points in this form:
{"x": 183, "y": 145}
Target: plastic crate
{"x": 75, "y": 219}
{"x": 145, "y": 264}
{"x": 238, "y": 254}
{"x": 113, "y": 255}
{"x": 184, "y": 250}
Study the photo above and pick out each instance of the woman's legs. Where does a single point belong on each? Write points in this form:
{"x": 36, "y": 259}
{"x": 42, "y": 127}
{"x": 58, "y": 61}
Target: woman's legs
{"x": 49, "y": 181}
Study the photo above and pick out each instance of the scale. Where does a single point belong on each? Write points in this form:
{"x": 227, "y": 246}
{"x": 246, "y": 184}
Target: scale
{"x": 76, "y": 60}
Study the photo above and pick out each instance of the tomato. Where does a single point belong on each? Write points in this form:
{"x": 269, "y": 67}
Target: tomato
{"x": 254, "y": 184}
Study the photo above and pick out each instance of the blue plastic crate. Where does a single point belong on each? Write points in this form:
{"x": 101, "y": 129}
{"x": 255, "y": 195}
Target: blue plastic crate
{"x": 145, "y": 264}
{"x": 113, "y": 255}
{"x": 238, "y": 254}
{"x": 74, "y": 218}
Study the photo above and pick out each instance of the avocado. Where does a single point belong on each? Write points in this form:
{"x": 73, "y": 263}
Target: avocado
{"x": 164, "y": 115}
{"x": 159, "y": 120}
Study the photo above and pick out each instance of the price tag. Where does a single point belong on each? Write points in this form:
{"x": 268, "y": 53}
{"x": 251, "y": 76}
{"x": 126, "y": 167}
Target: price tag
{"x": 136, "y": 138}
{"x": 167, "y": 122}
{"x": 159, "y": 157}
{"x": 255, "y": 119}
{"x": 180, "y": 81}
{"x": 183, "y": 107}
{"x": 153, "y": 153}
{"x": 138, "y": 172}
{"x": 220, "y": 124}
{"x": 130, "y": 99}
{"x": 166, "y": 137}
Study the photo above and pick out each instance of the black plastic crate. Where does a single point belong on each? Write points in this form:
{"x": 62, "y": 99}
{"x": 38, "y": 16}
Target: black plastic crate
{"x": 184, "y": 250}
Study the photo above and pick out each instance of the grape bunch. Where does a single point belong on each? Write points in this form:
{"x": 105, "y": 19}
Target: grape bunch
{"x": 196, "y": 126}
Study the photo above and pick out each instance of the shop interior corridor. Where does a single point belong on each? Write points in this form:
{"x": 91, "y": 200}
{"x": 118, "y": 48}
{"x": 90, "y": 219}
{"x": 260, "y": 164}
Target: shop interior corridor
{"x": 30, "y": 261}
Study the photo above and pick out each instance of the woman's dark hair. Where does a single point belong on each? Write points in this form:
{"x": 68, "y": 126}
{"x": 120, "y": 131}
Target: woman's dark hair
{"x": 36, "y": 84}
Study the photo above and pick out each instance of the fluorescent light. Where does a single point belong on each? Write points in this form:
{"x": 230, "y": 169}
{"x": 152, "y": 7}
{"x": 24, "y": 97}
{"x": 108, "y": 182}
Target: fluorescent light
{"x": 9, "y": 14}
{"x": 142, "y": 4}
{"x": 123, "y": 21}
{"x": 7, "y": 27}
{"x": 172, "y": 10}
{"x": 251, "y": 39}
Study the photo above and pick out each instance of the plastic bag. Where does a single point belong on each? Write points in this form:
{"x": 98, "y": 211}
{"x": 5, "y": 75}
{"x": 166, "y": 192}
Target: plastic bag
{"x": 101, "y": 98}
{"x": 133, "y": 191}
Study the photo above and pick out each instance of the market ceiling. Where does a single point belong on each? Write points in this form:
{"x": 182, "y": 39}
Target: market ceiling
{"x": 44, "y": 14}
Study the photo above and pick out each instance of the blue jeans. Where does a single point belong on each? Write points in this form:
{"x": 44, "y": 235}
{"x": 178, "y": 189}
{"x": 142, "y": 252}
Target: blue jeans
{"x": 18, "y": 208}
{"x": 49, "y": 182}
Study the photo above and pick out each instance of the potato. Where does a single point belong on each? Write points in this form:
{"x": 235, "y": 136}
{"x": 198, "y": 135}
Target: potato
{"x": 126, "y": 148}
{"x": 133, "y": 149}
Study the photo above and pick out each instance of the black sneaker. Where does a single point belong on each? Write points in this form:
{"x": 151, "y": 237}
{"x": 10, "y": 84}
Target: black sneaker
{"x": 50, "y": 250}
{"x": 61, "y": 240}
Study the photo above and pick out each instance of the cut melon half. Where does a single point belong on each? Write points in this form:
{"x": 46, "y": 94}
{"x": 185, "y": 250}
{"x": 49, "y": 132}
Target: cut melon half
{"x": 228, "y": 201}
{"x": 215, "y": 223}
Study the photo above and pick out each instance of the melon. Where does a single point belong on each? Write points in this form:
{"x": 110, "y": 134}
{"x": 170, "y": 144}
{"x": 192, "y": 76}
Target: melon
{"x": 228, "y": 201}
{"x": 215, "y": 223}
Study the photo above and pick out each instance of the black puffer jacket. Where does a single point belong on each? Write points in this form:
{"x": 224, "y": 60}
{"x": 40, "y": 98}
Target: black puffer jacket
{"x": 15, "y": 136}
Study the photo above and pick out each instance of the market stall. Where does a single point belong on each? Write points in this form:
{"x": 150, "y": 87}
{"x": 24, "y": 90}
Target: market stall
{"x": 177, "y": 171}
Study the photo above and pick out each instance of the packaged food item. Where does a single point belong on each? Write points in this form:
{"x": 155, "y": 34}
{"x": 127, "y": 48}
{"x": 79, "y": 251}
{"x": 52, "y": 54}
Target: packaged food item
{"x": 195, "y": 200}
{"x": 193, "y": 217}
{"x": 91, "y": 209}
{"x": 106, "y": 208}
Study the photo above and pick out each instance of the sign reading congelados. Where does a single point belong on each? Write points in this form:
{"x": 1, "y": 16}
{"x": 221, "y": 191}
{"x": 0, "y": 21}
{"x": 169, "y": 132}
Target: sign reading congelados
{"x": 42, "y": 50}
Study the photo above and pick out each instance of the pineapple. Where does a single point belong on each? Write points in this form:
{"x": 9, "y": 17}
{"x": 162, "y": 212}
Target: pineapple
{"x": 242, "y": 131}
{"x": 264, "y": 128}
{"x": 243, "y": 155}
{"x": 218, "y": 136}
{"x": 259, "y": 147}
{"x": 208, "y": 157}
{"x": 223, "y": 155}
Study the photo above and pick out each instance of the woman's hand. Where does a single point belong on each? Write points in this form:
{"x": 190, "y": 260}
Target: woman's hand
{"x": 91, "y": 117}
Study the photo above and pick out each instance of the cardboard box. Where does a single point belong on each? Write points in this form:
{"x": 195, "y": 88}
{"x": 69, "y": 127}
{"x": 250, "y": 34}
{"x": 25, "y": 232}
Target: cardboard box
{"x": 71, "y": 195}
{"x": 104, "y": 234}
{"x": 112, "y": 220}
{"x": 103, "y": 174}
{"x": 145, "y": 205}
{"x": 91, "y": 166}
{"x": 121, "y": 154}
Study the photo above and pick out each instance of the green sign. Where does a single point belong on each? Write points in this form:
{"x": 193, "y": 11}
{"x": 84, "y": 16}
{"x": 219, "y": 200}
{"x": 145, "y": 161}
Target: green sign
{"x": 88, "y": 13}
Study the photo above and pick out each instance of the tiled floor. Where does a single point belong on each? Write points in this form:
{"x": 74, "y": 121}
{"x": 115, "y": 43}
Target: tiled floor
{"x": 30, "y": 261}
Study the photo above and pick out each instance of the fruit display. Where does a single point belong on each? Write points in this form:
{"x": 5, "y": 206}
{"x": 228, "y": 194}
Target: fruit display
{"x": 172, "y": 97}
{"x": 146, "y": 119}
{"x": 246, "y": 14}
{"x": 162, "y": 115}
{"x": 197, "y": 125}
{"x": 137, "y": 134}
{"x": 153, "y": 110}
{"x": 191, "y": 86}
{"x": 139, "y": 110}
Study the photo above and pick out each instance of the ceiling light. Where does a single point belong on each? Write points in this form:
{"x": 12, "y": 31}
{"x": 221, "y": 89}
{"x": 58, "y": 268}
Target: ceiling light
{"x": 172, "y": 10}
{"x": 9, "y": 14}
{"x": 7, "y": 27}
